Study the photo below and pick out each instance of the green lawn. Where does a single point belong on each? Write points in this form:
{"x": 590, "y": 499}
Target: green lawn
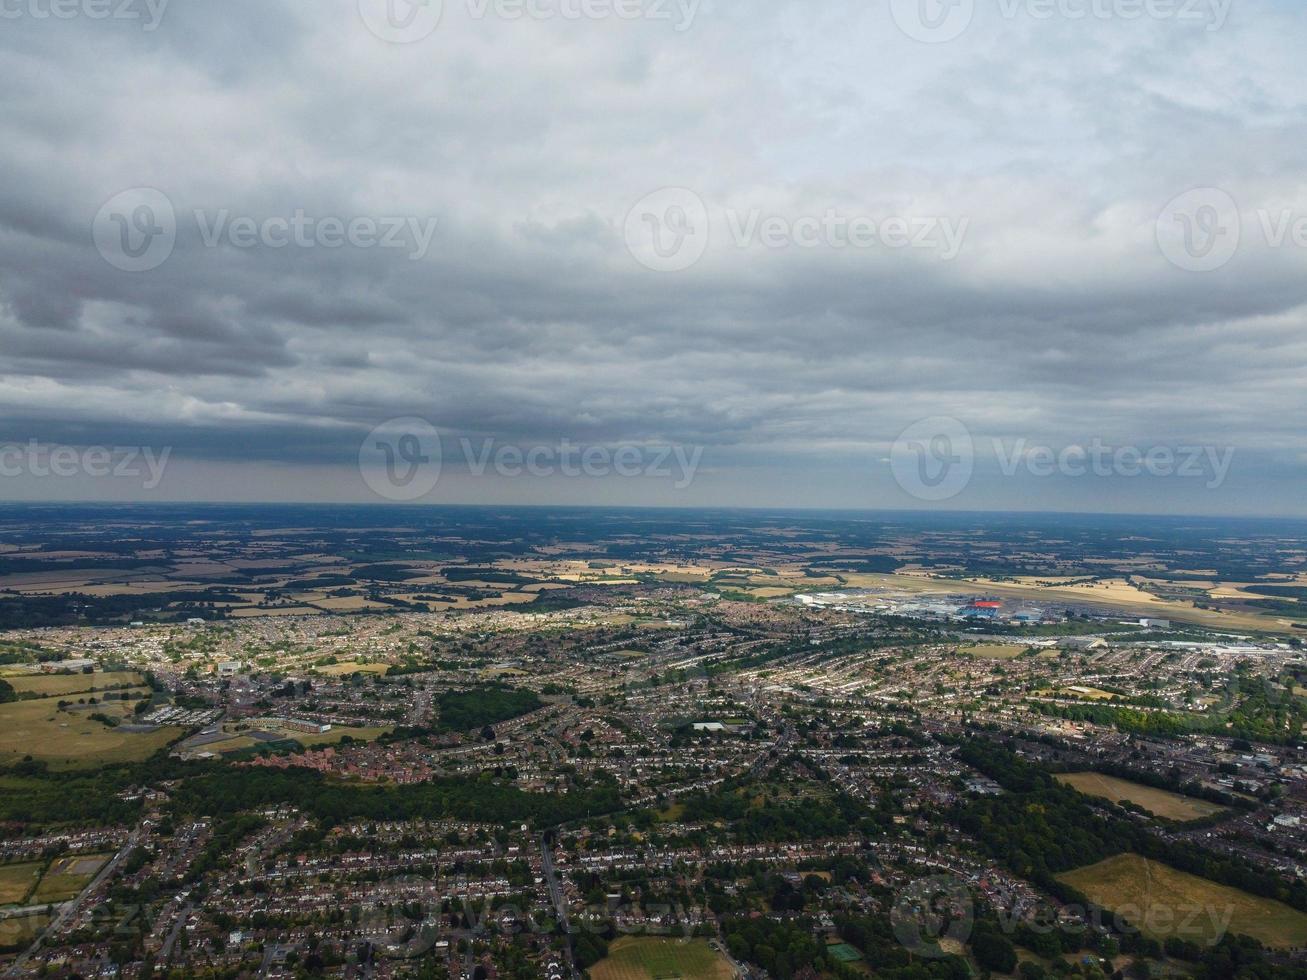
{"x": 644, "y": 958}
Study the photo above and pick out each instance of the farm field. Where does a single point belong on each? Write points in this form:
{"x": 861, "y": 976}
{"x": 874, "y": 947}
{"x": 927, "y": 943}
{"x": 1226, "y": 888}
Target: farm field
{"x": 67, "y": 876}
{"x": 1163, "y": 902}
{"x": 73, "y": 739}
{"x": 56, "y": 685}
{"x": 16, "y": 880}
{"x": 1159, "y": 802}
{"x": 643, "y": 958}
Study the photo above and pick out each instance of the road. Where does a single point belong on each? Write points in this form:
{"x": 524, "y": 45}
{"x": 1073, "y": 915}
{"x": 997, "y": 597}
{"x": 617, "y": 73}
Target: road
{"x": 70, "y": 909}
{"x": 556, "y": 894}
{"x": 176, "y": 931}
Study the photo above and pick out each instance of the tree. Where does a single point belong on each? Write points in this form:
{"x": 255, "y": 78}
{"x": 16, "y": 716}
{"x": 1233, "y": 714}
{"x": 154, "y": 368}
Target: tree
{"x": 993, "y": 951}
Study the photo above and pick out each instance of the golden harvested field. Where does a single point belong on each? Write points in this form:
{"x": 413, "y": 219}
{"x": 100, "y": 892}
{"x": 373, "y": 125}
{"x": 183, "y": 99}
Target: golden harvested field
{"x": 279, "y": 611}
{"x": 1163, "y": 902}
{"x": 1159, "y": 802}
{"x": 993, "y": 651}
{"x": 73, "y": 739}
{"x": 67, "y": 877}
{"x": 1082, "y": 692}
{"x": 16, "y": 880}
{"x": 57, "y": 685}
{"x": 346, "y": 603}
{"x": 1116, "y": 595}
{"x": 646, "y": 958}
{"x": 342, "y": 670}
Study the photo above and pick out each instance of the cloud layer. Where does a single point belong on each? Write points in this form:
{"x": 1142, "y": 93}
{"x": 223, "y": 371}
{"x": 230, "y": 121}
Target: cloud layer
{"x": 792, "y": 355}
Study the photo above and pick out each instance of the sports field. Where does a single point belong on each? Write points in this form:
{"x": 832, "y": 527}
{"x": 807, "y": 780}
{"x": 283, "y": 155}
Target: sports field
{"x": 994, "y": 651}
{"x": 67, "y": 876}
{"x": 73, "y": 739}
{"x": 1163, "y": 902}
{"x": 645, "y": 958}
{"x": 1159, "y": 802}
{"x": 16, "y": 880}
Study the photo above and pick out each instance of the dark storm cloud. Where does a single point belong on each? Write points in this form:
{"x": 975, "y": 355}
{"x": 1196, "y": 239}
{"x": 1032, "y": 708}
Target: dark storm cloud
{"x": 524, "y": 317}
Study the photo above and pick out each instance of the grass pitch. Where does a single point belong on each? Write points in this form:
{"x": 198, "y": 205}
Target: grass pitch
{"x": 646, "y": 958}
{"x": 1159, "y": 802}
{"x": 73, "y": 739}
{"x": 1162, "y": 902}
{"x": 994, "y": 651}
{"x": 67, "y": 877}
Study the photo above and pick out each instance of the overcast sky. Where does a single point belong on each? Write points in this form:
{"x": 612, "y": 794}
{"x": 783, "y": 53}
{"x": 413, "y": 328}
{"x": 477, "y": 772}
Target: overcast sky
{"x": 857, "y": 254}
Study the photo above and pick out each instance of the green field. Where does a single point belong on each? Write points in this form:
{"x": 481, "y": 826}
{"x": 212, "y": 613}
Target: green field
{"x": 67, "y": 877}
{"x": 632, "y": 958}
{"x": 1158, "y": 802}
{"x": 58, "y": 685}
{"x": 73, "y": 739}
{"x": 337, "y": 733}
{"x": 1163, "y": 902}
{"x": 16, "y": 880}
